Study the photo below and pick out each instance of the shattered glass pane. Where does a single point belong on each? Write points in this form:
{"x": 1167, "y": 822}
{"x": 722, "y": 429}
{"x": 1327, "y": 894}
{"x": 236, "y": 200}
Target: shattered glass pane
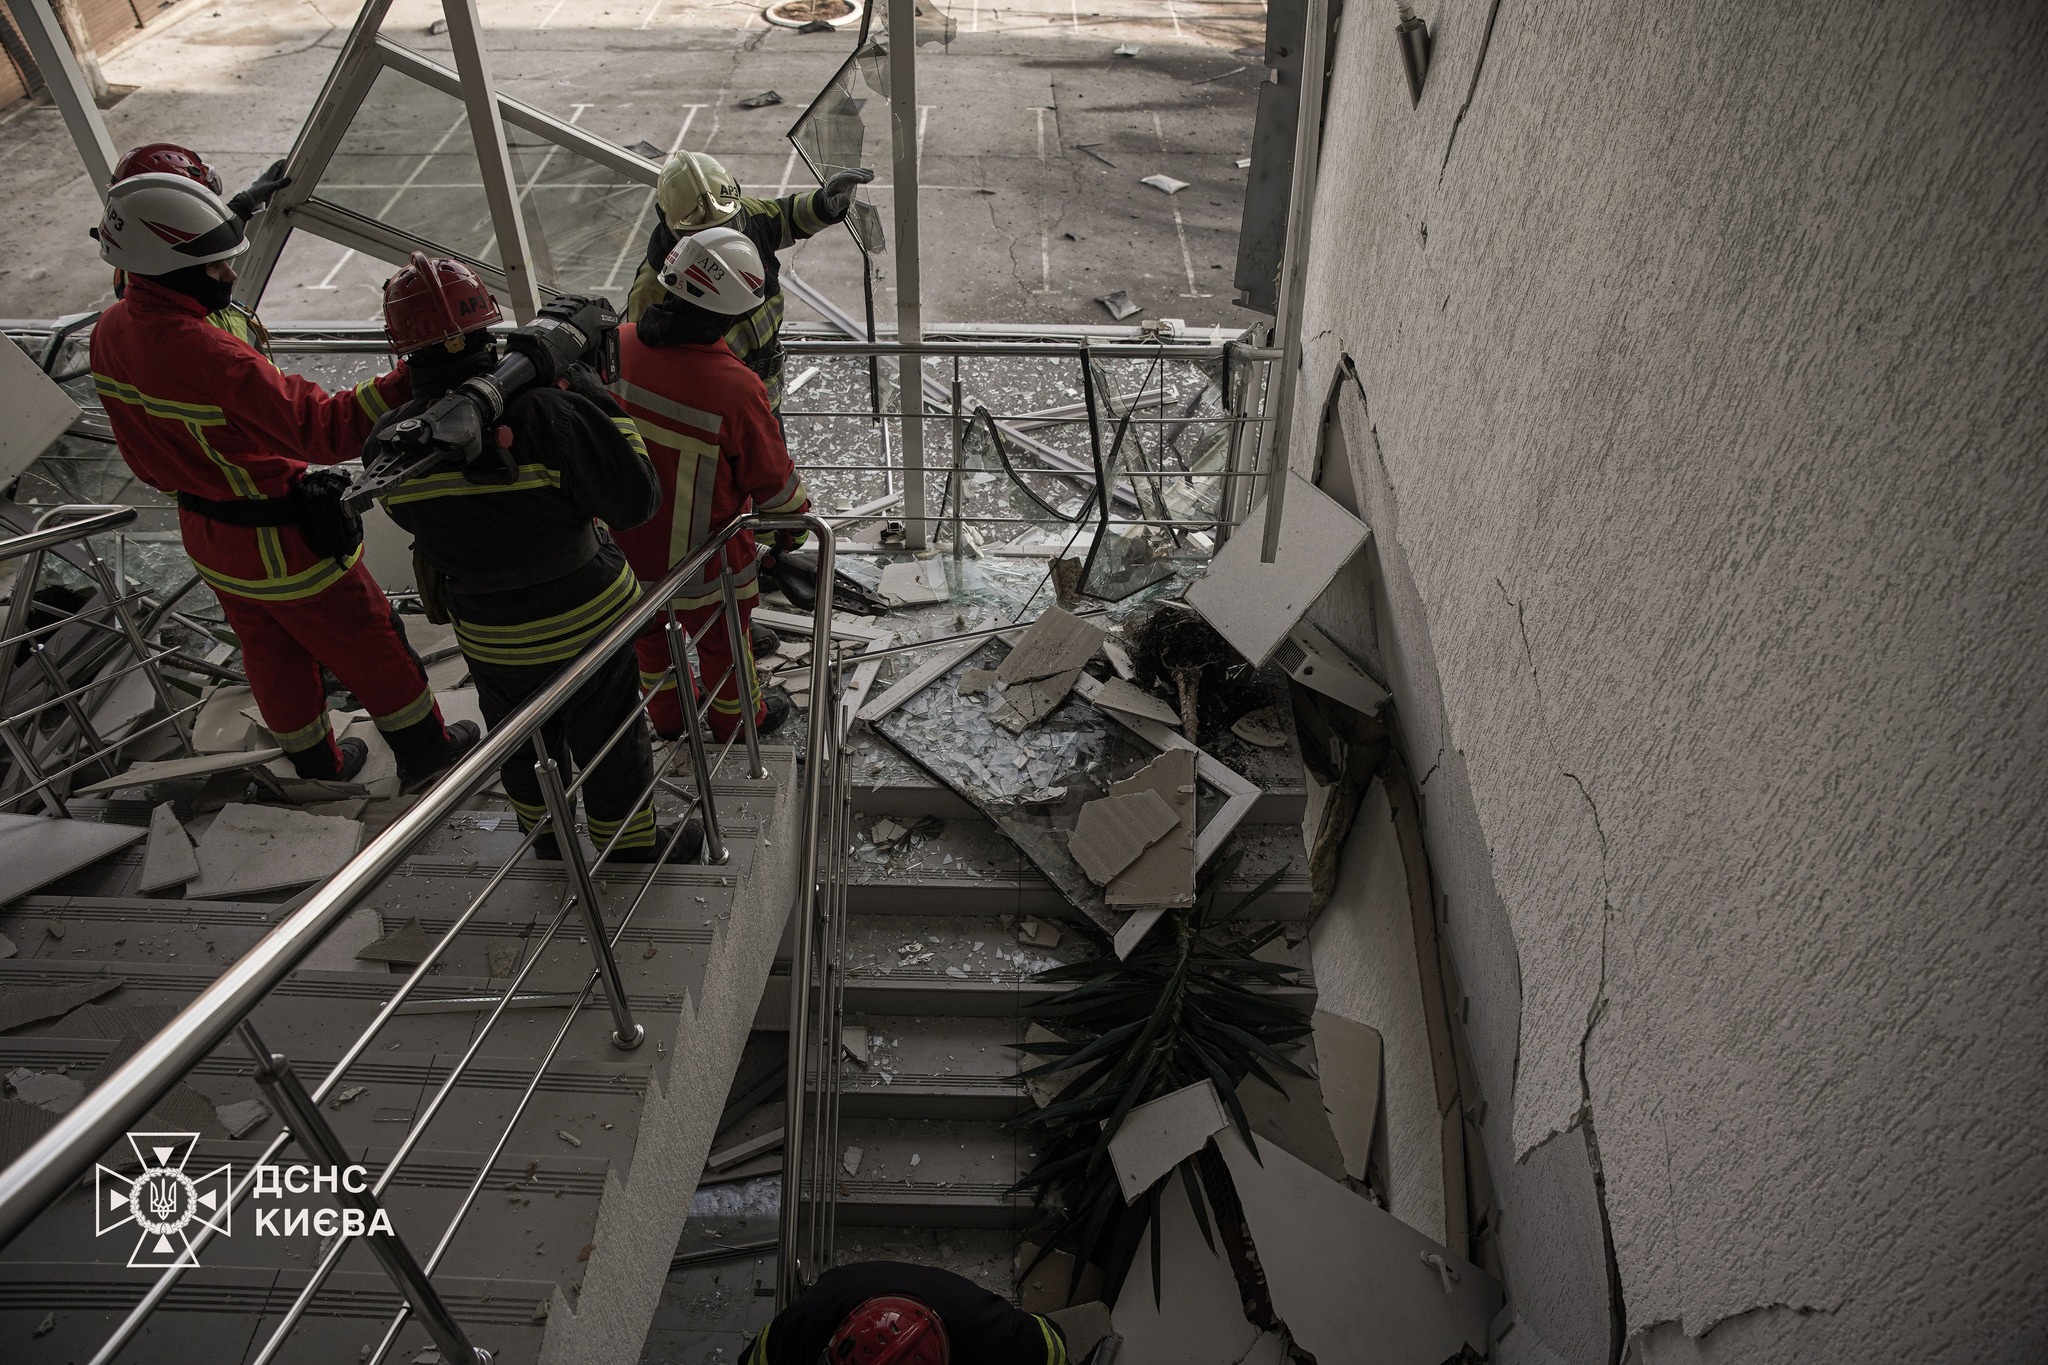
{"x": 833, "y": 135}
{"x": 408, "y": 161}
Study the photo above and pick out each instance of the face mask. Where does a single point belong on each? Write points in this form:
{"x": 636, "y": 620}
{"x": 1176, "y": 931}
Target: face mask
{"x": 194, "y": 283}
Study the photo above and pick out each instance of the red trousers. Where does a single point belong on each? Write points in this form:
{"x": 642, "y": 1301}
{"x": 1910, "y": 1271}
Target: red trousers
{"x": 351, "y": 628}
{"x": 714, "y": 669}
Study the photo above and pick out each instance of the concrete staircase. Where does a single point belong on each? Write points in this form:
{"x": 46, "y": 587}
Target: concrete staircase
{"x": 563, "y": 1254}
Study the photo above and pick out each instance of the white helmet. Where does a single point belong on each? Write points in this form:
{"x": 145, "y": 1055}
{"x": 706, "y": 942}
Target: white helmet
{"x": 158, "y": 222}
{"x": 719, "y": 270}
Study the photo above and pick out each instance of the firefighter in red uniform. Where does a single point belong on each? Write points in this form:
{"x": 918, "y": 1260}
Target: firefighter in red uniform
{"x": 519, "y": 565}
{"x": 198, "y": 413}
{"x": 244, "y": 204}
{"x": 717, "y": 446}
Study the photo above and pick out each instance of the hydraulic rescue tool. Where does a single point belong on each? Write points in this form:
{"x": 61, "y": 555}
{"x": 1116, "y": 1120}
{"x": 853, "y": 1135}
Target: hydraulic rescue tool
{"x": 571, "y": 330}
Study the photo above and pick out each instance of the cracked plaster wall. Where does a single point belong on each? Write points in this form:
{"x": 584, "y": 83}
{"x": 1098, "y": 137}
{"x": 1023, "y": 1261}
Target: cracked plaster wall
{"x": 1703, "y": 378}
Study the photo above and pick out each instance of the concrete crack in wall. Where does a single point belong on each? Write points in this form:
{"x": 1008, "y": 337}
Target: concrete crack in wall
{"x": 1617, "y": 1305}
{"x": 1478, "y": 65}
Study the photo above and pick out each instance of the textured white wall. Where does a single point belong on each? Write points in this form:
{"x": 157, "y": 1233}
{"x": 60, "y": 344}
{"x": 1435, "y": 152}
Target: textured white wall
{"x": 1702, "y": 366}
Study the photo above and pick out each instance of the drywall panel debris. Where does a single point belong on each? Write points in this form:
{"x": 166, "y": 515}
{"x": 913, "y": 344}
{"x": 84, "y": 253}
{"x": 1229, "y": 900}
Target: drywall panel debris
{"x": 202, "y": 765}
{"x": 1112, "y": 833}
{"x": 1157, "y": 1135}
{"x": 36, "y": 850}
{"x": 1164, "y": 874}
{"x": 169, "y": 859}
{"x": 1058, "y": 642}
{"x": 1196, "y": 1318}
{"x": 1348, "y": 1058}
{"x": 248, "y": 849}
{"x": 1253, "y": 604}
{"x": 1118, "y": 695}
{"x": 1352, "y": 1282}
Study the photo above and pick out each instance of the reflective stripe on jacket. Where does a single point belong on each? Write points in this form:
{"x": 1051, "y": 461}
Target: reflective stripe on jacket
{"x": 718, "y": 451}
{"x": 195, "y": 409}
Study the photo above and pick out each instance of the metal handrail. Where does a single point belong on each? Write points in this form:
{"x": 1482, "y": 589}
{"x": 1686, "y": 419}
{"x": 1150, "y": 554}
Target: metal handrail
{"x": 105, "y": 518}
{"x": 42, "y": 1173}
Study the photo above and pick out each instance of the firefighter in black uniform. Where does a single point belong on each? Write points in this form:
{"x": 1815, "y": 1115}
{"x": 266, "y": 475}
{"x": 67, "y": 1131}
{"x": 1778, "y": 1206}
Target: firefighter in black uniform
{"x": 520, "y": 567}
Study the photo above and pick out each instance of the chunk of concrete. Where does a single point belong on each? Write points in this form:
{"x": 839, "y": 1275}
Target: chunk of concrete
{"x": 1158, "y": 1135}
{"x": 51, "y": 1090}
{"x": 36, "y": 850}
{"x": 1348, "y": 1056}
{"x": 169, "y": 859}
{"x": 1164, "y": 874}
{"x": 853, "y": 1038}
{"x": 1343, "y": 1272}
{"x": 1254, "y": 604}
{"x": 244, "y": 1118}
{"x": 1112, "y": 833}
{"x": 1038, "y": 933}
{"x": 249, "y": 849}
{"x": 1133, "y": 700}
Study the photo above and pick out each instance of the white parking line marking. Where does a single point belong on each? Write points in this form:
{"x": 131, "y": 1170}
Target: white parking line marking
{"x": 461, "y": 121}
{"x": 1180, "y": 230}
{"x": 788, "y": 170}
{"x": 1172, "y": 13}
{"x": 552, "y": 13}
{"x": 1044, "y": 230}
{"x": 634, "y": 240}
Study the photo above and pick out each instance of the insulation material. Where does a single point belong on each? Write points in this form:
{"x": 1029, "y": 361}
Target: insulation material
{"x": 1348, "y": 1065}
{"x": 1164, "y": 874}
{"x": 1132, "y": 700}
{"x": 1114, "y": 832}
{"x": 1352, "y": 1282}
{"x": 169, "y": 859}
{"x": 1253, "y": 604}
{"x": 1159, "y": 1134}
{"x": 36, "y": 850}
{"x": 171, "y": 770}
{"x": 1196, "y": 1318}
{"x": 1058, "y": 642}
{"x": 249, "y": 849}
{"x": 1362, "y": 947}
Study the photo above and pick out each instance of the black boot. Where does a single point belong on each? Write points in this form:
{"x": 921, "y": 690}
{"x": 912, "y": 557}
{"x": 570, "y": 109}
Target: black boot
{"x": 777, "y": 708}
{"x": 763, "y": 640}
{"x": 688, "y": 849}
{"x": 417, "y": 768}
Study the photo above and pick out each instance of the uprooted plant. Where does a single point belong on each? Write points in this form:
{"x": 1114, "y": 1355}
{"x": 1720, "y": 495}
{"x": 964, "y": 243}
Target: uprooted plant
{"x": 1184, "y": 1007}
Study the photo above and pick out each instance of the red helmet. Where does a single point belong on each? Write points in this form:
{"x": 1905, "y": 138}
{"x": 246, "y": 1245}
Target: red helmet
{"x": 889, "y": 1329}
{"x": 170, "y": 158}
{"x": 435, "y": 301}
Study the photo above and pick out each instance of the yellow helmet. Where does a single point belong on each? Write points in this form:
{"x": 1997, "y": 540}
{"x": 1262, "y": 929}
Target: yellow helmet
{"x": 695, "y": 192}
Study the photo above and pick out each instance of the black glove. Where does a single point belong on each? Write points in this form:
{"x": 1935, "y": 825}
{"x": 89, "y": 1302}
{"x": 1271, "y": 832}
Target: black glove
{"x": 582, "y": 381}
{"x": 788, "y": 542}
{"x": 837, "y": 196}
{"x": 246, "y": 203}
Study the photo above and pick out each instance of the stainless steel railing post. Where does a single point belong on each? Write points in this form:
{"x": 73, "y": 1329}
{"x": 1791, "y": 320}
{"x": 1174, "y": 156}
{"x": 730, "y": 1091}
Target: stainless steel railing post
{"x": 743, "y": 664}
{"x": 288, "y": 1093}
{"x": 626, "y": 1034}
{"x": 693, "y": 733}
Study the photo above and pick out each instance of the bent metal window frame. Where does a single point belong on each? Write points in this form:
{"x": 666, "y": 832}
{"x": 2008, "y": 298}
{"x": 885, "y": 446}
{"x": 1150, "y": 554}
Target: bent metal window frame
{"x": 365, "y": 55}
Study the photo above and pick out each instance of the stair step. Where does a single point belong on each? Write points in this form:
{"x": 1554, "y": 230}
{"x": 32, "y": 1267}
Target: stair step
{"x": 961, "y": 1177}
{"x": 936, "y": 1068}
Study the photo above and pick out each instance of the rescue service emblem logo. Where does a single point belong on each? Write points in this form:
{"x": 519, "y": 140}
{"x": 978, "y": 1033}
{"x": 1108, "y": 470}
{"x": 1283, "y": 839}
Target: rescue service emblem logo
{"x": 166, "y": 1202}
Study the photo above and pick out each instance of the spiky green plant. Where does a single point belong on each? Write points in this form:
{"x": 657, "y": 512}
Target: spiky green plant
{"x": 1184, "y": 1007}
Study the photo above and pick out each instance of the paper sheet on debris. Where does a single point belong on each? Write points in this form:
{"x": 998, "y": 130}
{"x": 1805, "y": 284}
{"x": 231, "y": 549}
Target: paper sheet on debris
{"x": 1158, "y": 1135}
{"x": 1342, "y": 1270}
{"x": 1112, "y": 833}
{"x": 1253, "y": 604}
{"x": 36, "y": 850}
{"x": 1164, "y": 874}
{"x": 266, "y": 848}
